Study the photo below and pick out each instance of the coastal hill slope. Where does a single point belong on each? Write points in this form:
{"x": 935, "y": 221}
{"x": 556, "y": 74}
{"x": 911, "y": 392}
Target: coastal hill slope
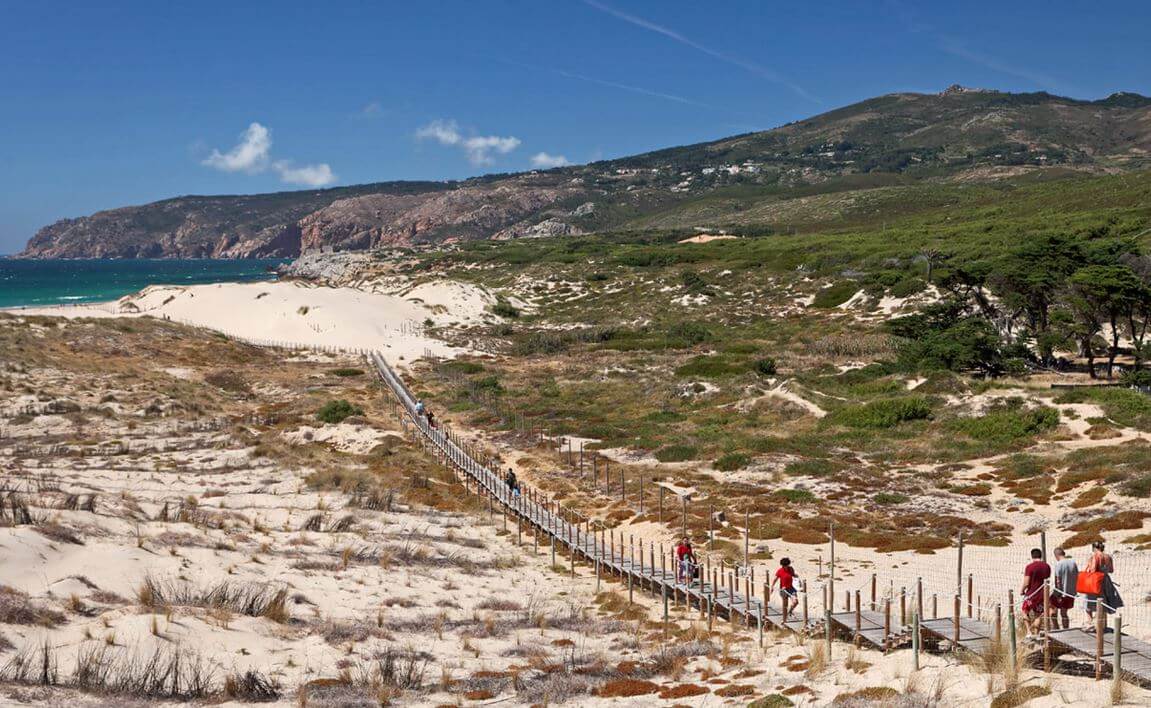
{"x": 899, "y": 139}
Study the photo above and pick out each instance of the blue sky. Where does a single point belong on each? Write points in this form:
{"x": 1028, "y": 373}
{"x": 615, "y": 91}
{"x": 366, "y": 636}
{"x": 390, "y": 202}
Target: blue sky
{"x": 114, "y": 103}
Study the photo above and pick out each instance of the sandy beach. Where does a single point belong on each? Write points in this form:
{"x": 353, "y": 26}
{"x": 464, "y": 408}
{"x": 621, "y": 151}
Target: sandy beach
{"x": 397, "y": 323}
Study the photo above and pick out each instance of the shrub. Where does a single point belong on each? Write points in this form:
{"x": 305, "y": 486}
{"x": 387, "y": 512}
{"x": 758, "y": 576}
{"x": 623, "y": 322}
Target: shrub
{"x": 689, "y": 333}
{"x": 835, "y": 295}
{"x": 710, "y": 367}
{"x": 908, "y": 287}
{"x": 676, "y": 453}
{"x": 503, "y": 308}
{"x": 886, "y": 413}
{"x": 1008, "y": 423}
{"x": 346, "y": 372}
{"x": 890, "y": 498}
{"x": 732, "y": 461}
{"x": 765, "y": 366}
{"x": 798, "y": 496}
{"x": 812, "y": 468}
{"x": 336, "y": 411}
{"x": 227, "y": 380}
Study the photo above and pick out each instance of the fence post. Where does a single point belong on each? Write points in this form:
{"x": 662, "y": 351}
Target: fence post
{"x": 915, "y": 639}
{"x": 1117, "y": 659}
{"x": 831, "y": 568}
{"x": 955, "y": 623}
{"x": 887, "y": 625}
{"x": 1100, "y": 630}
{"x": 1011, "y": 626}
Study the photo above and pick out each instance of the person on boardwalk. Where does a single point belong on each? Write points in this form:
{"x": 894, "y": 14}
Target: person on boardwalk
{"x": 685, "y": 561}
{"x": 785, "y": 577}
{"x": 1101, "y": 562}
{"x": 431, "y": 419}
{"x": 1035, "y": 576}
{"x": 420, "y": 407}
{"x": 1066, "y": 574}
{"x": 510, "y": 480}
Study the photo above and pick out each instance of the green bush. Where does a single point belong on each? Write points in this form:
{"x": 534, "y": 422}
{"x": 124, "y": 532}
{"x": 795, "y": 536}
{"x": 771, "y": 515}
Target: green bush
{"x": 907, "y": 287}
{"x": 1007, "y": 424}
{"x": 345, "y": 372}
{"x": 797, "y": 496}
{"x": 835, "y": 295}
{"x": 665, "y": 417}
{"x": 464, "y": 367}
{"x": 889, "y": 498}
{"x": 765, "y": 366}
{"x": 689, "y": 333}
{"x": 503, "y": 308}
{"x": 886, "y": 413}
{"x": 336, "y": 411}
{"x": 710, "y": 367}
{"x": 732, "y": 461}
{"x": 676, "y": 453}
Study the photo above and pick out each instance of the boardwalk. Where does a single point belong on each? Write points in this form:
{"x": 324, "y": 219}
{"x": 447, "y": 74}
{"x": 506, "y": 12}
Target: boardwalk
{"x": 731, "y": 600}
{"x": 734, "y": 599}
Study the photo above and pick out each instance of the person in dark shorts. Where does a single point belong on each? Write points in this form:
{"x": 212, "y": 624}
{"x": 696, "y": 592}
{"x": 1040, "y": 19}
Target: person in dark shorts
{"x": 685, "y": 561}
{"x": 1066, "y": 575}
{"x": 785, "y": 578}
{"x": 1035, "y": 576}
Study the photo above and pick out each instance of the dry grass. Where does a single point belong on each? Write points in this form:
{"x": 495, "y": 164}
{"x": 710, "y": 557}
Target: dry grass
{"x": 17, "y": 608}
{"x": 254, "y": 600}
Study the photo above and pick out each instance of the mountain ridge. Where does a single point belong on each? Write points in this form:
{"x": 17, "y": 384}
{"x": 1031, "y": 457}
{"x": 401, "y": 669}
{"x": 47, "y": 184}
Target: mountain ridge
{"x": 957, "y": 133}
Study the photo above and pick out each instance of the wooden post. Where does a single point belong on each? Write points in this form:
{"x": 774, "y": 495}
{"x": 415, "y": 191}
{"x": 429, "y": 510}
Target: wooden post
{"x": 1117, "y": 657}
{"x": 934, "y": 606}
{"x": 1047, "y": 628}
{"x": 804, "y": 603}
{"x": 663, "y": 591}
{"x": 902, "y": 607}
{"x": 955, "y": 624}
{"x": 873, "y": 592}
{"x": 970, "y": 598}
{"x": 959, "y": 566}
{"x": 623, "y": 486}
{"x": 858, "y": 620}
{"x": 747, "y": 598}
{"x": 746, "y": 538}
{"x": 827, "y": 629}
{"x": 553, "y": 540}
{"x": 915, "y": 639}
{"x": 661, "y": 490}
{"x": 919, "y": 596}
{"x": 1100, "y": 630}
{"x": 887, "y": 625}
{"x": 595, "y": 472}
{"x": 1011, "y": 628}
{"x": 831, "y": 568}
{"x": 1043, "y": 544}
{"x": 998, "y": 639}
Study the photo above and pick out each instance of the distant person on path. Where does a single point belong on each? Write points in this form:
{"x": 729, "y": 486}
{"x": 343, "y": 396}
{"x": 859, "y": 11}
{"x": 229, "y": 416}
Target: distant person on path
{"x": 1102, "y": 562}
{"x": 510, "y": 480}
{"x": 431, "y": 420}
{"x": 1035, "y": 576}
{"x": 420, "y": 407}
{"x": 685, "y": 561}
{"x": 1066, "y": 574}
{"x": 785, "y": 577}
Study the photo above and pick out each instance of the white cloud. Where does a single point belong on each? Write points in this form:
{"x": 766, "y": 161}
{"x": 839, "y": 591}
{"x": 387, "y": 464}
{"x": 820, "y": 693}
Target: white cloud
{"x": 545, "y": 161}
{"x": 249, "y": 155}
{"x": 319, "y": 175}
{"x": 479, "y": 148}
{"x": 253, "y": 155}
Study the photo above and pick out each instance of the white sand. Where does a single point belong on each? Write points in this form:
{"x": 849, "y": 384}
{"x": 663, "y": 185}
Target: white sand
{"x": 299, "y": 314}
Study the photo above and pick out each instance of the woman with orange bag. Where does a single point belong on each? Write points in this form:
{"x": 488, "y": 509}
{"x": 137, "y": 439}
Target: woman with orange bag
{"x": 1095, "y": 582}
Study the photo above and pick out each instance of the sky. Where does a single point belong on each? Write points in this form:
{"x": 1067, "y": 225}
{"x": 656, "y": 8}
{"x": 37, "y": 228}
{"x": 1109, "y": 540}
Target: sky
{"x": 112, "y": 103}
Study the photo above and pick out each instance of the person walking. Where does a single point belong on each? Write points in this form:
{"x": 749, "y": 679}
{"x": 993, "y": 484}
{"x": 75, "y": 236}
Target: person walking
{"x": 1035, "y": 576}
{"x": 1102, "y": 563}
{"x": 1066, "y": 574}
{"x": 510, "y": 480}
{"x": 785, "y": 577}
{"x": 684, "y": 561}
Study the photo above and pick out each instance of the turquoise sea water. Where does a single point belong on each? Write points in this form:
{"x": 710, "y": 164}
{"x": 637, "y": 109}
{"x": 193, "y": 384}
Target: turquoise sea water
{"x": 60, "y": 282}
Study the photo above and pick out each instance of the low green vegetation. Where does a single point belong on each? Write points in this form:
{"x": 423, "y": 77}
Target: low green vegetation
{"x": 337, "y": 411}
{"x": 884, "y": 413}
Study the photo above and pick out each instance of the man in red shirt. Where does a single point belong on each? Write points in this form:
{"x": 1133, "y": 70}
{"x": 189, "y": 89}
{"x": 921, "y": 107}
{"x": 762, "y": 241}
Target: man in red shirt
{"x": 684, "y": 561}
{"x": 785, "y": 577}
{"x": 1035, "y": 576}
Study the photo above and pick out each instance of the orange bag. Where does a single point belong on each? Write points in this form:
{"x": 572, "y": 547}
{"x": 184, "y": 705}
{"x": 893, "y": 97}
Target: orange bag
{"x": 1090, "y": 583}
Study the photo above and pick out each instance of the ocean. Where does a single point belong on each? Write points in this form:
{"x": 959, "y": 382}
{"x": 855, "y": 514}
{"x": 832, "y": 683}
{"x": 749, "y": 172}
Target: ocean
{"x": 61, "y": 282}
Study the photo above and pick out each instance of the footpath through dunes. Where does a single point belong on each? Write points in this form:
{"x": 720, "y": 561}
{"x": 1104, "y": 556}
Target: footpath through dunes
{"x": 895, "y": 621}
